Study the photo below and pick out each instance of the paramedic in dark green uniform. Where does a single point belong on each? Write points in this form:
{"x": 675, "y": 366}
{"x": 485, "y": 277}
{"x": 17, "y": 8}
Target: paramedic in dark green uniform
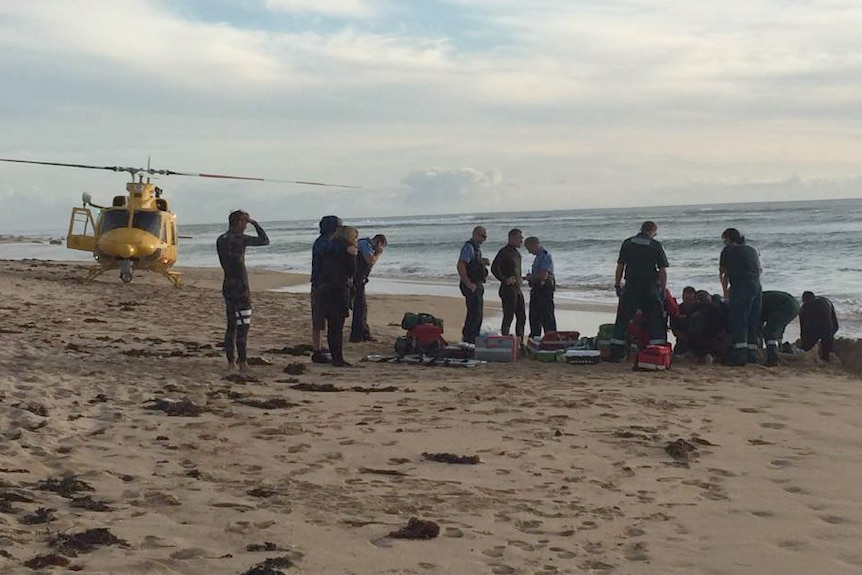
{"x": 643, "y": 263}
{"x": 778, "y": 309}
{"x": 739, "y": 272}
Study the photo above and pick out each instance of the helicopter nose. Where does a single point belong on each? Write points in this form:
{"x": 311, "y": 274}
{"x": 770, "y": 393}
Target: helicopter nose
{"x": 126, "y": 243}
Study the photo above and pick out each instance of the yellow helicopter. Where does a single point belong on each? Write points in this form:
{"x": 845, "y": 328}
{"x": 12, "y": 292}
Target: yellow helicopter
{"x": 137, "y": 231}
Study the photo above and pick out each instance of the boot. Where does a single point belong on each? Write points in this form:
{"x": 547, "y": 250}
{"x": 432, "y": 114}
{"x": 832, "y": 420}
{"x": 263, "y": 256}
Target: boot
{"x": 739, "y": 357}
{"x": 752, "y": 355}
{"x": 771, "y": 356}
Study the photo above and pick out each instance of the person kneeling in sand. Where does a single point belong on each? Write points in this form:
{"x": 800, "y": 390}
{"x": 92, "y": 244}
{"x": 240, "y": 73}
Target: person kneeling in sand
{"x": 337, "y": 269}
{"x": 237, "y": 295}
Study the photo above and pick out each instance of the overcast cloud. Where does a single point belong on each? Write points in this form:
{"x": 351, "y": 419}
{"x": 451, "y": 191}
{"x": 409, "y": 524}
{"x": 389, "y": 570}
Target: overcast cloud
{"x": 432, "y": 106}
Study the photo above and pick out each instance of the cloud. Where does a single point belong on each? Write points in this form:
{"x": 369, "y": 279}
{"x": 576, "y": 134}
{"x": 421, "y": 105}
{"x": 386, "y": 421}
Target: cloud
{"x": 462, "y": 187}
{"x": 330, "y": 8}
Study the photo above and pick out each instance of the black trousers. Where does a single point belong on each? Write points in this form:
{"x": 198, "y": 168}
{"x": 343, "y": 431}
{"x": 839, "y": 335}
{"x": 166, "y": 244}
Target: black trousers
{"x": 359, "y": 326}
{"x": 475, "y": 303}
{"x": 514, "y": 308}
{"x": 542, "y": 311}
{"x": 826, "y": 339}
{"x": 640, "y": 295}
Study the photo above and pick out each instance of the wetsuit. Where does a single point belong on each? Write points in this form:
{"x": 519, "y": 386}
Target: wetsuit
{"x": 642, "y": 257}
{"x": 359, "y": 330}
{"x": 237, "y": 296}
{"x": 337, "y": 269}
{"x": 542, "y": 316}
{"x": 506, "y": 265}
{"x": 778, "y": 309}
{"x": 476, "y": 273}
{"x": 741, "y": 264}
{"x": 817, "y": 321}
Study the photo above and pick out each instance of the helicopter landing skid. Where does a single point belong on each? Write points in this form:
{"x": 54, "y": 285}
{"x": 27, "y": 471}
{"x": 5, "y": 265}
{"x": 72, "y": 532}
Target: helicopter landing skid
{"x": 96, "y": 271}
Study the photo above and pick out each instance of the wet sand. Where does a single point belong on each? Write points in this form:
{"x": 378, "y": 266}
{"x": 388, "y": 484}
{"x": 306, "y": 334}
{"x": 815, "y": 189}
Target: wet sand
{"x": 573, "y": 473}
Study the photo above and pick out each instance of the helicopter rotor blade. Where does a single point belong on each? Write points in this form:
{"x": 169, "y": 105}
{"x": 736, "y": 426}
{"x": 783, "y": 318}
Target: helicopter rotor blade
{"x": 154, "y": 172}
{"x": 111, "y": 168}
{"x": 224, "y": 177}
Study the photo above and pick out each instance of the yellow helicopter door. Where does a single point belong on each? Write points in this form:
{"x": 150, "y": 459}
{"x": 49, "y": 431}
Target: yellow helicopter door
{"x": 82, "y": 231}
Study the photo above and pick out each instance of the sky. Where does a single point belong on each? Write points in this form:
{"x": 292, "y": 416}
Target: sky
{"x": 430, "y": 106}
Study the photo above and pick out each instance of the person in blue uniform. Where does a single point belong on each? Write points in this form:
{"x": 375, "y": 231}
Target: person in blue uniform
{"x": 542, "y": 286}
{"x": 370, "y": 250}
{"x": 817, "y": 322}
{"x": 739, "y": 273}
{"x": 231, "y": 247}
{"x": 473, "y": 271}
{"x": 778, "y": 309}
{"x": 643, "y": 264}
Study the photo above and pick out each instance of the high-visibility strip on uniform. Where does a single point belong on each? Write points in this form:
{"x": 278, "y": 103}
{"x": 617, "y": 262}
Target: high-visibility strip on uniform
{"x": 740, "y": 345}
{"x": 243, "y": 317}
{"x": 772, "y": 342}
{"x": 618, "y": 342}
{"x": 657, "y": 341}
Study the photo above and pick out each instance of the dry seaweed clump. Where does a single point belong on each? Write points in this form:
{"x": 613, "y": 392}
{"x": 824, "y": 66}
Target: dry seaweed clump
{"x": 452, "y": 458}
{"x": 417, "y": 529}
{"x": 174, "y": 408}
{"x": 85, "y": 542}
{"x": 270, "y": 566}
{"x": 65, "y": 487}
{"x": 47, "y": 560}
{"x": 682, "y": 450}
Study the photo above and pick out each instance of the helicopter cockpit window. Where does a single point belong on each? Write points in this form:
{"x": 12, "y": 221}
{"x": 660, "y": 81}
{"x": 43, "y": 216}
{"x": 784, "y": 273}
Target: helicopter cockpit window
{"x": 113, "y": 219}
{"x": 149, "y": 222}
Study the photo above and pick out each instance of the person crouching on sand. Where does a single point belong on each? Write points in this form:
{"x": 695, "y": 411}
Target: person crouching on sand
{"x": 237, "y": 295}
{"x": 337, "y": 269}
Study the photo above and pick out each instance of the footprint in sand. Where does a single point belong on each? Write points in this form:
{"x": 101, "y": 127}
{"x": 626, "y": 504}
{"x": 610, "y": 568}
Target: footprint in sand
{"x": 796, "y": 490}
{"x": 781, "y": 463}
{"x": 636, "y": 551}
{"x": 502, "y": 569}
{"x": 773, "y": 425}
{"x": 749, "y": 410}
{"x": 496, "y": 551}
{"x": 833, "y": 519}
{"x": 764, "y": 514}
{"x": 563, "y": 553}
{"x": 453, "y": 532}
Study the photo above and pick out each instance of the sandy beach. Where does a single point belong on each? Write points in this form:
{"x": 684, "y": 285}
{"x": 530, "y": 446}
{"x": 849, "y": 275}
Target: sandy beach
{"x": 311, "y": 467}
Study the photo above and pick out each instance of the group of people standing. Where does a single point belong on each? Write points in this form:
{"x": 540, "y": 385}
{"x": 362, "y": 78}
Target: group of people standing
{"x": 473, "y": 272}
{"x": 747, "y": 314}
{"x": 341, "y": 263}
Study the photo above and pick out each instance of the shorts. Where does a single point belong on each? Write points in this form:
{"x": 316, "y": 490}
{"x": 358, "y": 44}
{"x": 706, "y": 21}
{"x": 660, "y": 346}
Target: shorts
{"x": 318, "y": 309}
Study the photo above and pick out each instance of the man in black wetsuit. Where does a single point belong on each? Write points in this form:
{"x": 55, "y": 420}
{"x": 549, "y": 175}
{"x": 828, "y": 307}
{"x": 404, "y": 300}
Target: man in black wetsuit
{"x": 237, "y": 296}
{"x": 507, "y": 269}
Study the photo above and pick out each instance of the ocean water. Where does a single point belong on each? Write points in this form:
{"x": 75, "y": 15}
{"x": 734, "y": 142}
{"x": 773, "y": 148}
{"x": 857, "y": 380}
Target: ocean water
{"x": 813, "y": 245}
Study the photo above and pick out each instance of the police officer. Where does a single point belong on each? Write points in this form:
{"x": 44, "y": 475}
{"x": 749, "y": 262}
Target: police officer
{"x": 542, "y": 287}
{"x": 507, "y": 269}
{"x": 739, "y": 272}
{"x": 370, "y": 250}
{"x": 642, "y": 262}
{"x": 778, "y": 309}
{"x": 472, "y": 270}
{"x": 817, "y": 321}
